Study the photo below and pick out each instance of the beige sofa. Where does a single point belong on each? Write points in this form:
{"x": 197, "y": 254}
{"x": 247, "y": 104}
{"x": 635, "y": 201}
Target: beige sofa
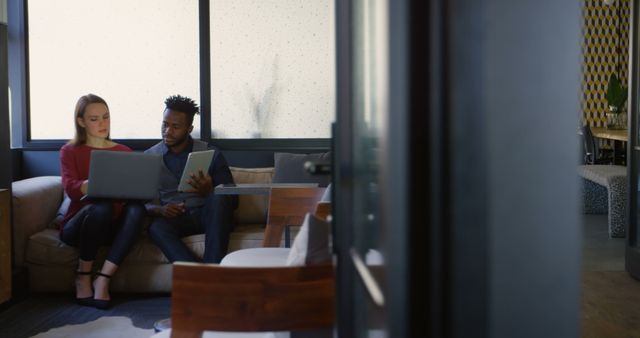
{"x": 51, "y": 263}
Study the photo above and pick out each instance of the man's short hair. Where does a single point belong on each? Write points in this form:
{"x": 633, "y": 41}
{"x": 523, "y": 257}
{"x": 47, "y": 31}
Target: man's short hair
{"x": 183, "y": 104}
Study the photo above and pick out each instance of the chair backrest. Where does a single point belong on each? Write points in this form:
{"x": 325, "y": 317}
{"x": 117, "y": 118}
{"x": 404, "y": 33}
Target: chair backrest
{"x": 222, "y": 298}
{"x": 589, "y": 144}
{"x": 323, "y": 210}
{"x": 288, "y": 206}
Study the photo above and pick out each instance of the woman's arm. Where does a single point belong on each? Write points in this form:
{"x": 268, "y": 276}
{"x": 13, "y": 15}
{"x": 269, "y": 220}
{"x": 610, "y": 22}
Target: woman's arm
{"x": 73, "y": 185}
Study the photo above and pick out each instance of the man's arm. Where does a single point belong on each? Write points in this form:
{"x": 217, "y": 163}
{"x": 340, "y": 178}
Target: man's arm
{"x": 167, "y": 211}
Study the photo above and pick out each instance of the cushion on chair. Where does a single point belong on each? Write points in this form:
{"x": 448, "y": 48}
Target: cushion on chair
{"x": 289, "y": 168}
{"x": 311, "y": 245}
{"x": 257, "y": 257}
{"x": 326, "y": 197}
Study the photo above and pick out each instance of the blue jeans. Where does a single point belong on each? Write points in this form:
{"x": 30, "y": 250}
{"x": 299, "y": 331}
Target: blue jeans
{"x": 214, "y": 219}
{"x": 94, "y": 226}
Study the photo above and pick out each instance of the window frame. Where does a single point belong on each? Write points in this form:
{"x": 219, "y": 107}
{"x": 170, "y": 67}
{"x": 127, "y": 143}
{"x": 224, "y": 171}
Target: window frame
{"x": 20, "y": 96}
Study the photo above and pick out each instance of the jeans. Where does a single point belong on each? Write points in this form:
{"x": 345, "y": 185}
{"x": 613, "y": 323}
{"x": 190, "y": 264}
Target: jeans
{"x": 94, "y": 226}
{"x": 214, "y": 219}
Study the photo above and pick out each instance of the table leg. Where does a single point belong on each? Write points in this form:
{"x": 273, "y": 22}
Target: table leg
{"x": 619, "y": 152}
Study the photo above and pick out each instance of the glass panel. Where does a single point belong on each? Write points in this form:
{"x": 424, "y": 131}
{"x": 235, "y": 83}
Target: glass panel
{"x": 131, "y": 53}
{"x": 370, "y": 111}
{"x": 272, "y": 68}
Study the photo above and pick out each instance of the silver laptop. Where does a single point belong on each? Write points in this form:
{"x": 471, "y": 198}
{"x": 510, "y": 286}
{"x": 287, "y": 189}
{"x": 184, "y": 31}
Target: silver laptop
{"x": 123, "y": 175}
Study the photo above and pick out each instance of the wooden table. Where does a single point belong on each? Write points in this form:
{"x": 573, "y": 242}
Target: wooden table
{"x": 257, "y": 188}
{"x": 5, "y": 246}
{"x": 611, "y": 134}
{"x": 619, "y": 137}
{"x": 288, "y": 205}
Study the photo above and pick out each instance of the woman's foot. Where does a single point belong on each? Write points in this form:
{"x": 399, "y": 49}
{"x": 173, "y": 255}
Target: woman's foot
{"x": 101, "y": 296}
{"x": 84, "y": 291}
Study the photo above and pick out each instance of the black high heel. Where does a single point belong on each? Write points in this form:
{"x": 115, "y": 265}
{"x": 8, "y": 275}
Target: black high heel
{"x": 101, "y": 304}
{"x": 84, "y": 301}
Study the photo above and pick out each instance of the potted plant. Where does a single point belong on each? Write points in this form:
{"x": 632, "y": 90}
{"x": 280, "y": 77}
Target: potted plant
{"x": 616, "y": 98}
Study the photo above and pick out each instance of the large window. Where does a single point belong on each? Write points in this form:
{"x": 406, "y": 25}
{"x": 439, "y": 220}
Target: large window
{"x": 272, "y": 68}
{"x": 272, "y": 65}
{"x": 132, "y": 53}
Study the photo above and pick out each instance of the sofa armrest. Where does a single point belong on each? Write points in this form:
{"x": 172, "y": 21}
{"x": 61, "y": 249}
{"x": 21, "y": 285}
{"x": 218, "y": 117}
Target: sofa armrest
{"x": 35, "y": 203}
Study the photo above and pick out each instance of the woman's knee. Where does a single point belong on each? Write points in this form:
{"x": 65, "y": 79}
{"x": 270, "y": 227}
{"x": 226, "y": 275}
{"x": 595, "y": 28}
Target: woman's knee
{"x": 135, "y": 211}
{"x": 101, "y": 211}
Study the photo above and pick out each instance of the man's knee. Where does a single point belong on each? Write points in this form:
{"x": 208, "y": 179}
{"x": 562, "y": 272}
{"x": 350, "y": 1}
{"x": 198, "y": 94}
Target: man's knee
{"x": 216, "y": 202}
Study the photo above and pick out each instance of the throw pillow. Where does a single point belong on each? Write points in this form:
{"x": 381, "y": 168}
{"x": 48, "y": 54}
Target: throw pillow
{"x": 311, "y": 245}
{"x": 289, "y": 168}
{"x": 62, "y": 210}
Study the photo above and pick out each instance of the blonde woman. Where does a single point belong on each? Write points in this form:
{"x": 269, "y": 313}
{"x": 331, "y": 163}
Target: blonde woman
{"x": 89, "y": 224}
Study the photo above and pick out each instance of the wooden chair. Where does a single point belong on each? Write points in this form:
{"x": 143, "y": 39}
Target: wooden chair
{"x": 211, "y": 297}
{"x": 288, "y": 206}
{"x": 241, "y": 299}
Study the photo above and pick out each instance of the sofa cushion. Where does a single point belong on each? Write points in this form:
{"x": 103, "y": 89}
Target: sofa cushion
{"x": 64, "y": 206}
{"x": 46, "y": 248}
{"x": 251, "y": 208}
{"x": 289, "y": 168}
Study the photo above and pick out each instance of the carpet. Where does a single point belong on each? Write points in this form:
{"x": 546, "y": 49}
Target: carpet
{"x": 39, "y": 313}
{"x": 104, "y": 327}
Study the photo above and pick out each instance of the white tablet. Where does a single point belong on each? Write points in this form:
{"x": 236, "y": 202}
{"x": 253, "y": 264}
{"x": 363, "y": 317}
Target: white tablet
{"x": 197, "y": 160}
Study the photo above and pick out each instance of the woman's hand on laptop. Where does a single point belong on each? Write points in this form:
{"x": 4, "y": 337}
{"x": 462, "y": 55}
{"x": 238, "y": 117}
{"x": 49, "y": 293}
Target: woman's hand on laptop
{"x": 84, "y": 187}
{"x": 202, "y": 183}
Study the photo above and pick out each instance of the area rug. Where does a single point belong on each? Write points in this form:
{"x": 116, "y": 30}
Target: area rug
{"x": 103, "y": 327}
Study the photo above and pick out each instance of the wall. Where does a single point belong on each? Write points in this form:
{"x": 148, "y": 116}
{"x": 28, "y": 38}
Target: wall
{"x": 600, "y": 39}
{"x": 32, "y": 163}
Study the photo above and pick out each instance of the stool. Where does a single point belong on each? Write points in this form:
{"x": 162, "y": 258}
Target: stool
{"x": 613, "y": 178}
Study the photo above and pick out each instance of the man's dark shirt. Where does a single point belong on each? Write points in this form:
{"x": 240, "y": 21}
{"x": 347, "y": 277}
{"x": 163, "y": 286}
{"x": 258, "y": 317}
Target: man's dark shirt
{"x": 174, "y": 164}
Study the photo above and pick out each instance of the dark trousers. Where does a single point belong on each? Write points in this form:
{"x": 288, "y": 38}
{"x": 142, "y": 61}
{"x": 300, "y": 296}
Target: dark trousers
{"x": 214, "y": 219}
{"x": 94, "y": 226}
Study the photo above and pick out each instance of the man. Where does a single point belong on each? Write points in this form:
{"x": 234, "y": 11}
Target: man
{"x": 198, "y": 210}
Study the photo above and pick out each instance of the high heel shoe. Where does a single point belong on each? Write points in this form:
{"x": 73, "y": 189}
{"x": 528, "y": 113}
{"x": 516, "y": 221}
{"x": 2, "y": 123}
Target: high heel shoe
{"x": 101, "y": 304}
{"x": 84, "y": 301}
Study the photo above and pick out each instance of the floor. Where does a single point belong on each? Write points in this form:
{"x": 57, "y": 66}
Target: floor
{"x": 41, "y": 312}
{"x": 610, "y": 297}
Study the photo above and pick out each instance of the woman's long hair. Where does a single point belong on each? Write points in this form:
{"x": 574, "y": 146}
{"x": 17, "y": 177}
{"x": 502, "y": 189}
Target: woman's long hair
{"x": 81, "y": 133}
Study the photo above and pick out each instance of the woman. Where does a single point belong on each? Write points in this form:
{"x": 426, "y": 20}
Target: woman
{"x": 88, "y": 225}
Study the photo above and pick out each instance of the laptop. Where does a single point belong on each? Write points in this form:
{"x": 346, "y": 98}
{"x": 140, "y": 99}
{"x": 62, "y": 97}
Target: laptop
{"x": 123, "y": 175}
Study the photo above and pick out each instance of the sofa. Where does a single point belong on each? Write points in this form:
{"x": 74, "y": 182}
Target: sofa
{"x": 39, "y": 201}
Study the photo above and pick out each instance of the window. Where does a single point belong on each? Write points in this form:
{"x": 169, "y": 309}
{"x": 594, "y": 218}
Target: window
{"x": 272, "y": 68}
{"x": 132, "y": 53}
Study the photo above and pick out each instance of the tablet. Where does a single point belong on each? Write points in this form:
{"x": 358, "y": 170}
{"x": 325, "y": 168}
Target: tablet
{"x": 197, "y": 160}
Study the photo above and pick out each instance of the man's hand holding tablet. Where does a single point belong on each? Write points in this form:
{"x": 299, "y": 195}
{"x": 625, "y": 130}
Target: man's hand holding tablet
{"x": 201, "y": 183}
{"x": 195, "y": 177}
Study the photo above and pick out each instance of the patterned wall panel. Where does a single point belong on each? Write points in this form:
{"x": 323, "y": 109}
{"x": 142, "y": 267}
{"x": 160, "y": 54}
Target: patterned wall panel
{"x": 605, "y": 48}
